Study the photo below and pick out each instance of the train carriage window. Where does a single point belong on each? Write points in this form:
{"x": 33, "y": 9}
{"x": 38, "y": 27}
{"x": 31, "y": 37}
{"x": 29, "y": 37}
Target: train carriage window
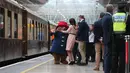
{"x": 30, "y": 26}
{"x": 9, "y": 24}
{"x": 42, "y": 31}
{"x": 33, "y": 29}
{"x": 1, "y": 22}
{"x": 30, "y": 29}
{"x": 36, "y": 29}
{"x": 39, "y": 31}
{"x": 39, "y": 34}
{"x": 15, "y": 25}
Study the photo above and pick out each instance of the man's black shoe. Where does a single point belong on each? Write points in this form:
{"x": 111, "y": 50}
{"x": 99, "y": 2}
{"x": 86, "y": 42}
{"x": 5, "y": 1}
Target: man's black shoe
{"x": 101, "y": 60}
{"x": 71, "y": 63}
{"x": 82, "y": 64}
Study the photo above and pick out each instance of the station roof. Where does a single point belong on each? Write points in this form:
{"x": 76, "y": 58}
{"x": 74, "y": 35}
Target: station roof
{"x": 55, "y": 10}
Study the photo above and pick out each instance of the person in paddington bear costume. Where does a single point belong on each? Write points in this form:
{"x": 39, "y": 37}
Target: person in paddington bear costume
{"x": 59, "y": 44}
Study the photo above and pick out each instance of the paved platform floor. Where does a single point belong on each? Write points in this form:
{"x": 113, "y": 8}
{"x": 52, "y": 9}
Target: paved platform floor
{"x": 51, "y": 68}
{"x": 24, "y": 65}
{"x": 44, "y": 64}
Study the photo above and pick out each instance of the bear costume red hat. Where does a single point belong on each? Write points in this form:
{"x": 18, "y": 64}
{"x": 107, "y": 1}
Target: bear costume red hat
{"x": 62, "y": 24}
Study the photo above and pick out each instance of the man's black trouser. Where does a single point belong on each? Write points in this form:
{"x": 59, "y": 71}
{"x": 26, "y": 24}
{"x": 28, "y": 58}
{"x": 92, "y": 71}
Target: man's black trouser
{"x": 118, "y": 55}
{"x": 76, "y": 53}
{"x": 91, "y": 51}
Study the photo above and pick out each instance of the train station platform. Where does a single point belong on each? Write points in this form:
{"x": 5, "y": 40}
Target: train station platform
{"x": 44, "y": 64}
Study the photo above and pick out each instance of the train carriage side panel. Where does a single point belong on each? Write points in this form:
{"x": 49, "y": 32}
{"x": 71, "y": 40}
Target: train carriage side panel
{"x": 36, "y": 30}
{"x": 10, "y": 47}
{"x": 32, "y": 44}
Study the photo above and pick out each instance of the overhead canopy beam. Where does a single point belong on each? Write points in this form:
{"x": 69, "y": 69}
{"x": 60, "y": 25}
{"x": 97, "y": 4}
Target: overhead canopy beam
{"x": 32, "y": 1}
{"x": 39, "y": 1}
{"x": 32, "y": 4}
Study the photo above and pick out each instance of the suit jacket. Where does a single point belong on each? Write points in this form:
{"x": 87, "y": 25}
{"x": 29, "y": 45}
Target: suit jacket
{"x": 128, "y": 25}
{"x": 98, "y": 31}
{"x": 83, "y": 30}
{"x": 107, "y": 24}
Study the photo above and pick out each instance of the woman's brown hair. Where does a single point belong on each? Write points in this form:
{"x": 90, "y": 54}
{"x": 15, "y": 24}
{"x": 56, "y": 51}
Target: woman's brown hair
{"x": 72, "y": 21}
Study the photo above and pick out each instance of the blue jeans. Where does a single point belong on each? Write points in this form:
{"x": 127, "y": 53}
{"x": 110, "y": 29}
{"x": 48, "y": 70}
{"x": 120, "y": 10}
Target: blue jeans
{"x": 107, "y": 58}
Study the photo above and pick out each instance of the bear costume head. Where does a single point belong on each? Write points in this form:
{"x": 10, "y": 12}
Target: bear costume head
{"x": 62, "y": 24}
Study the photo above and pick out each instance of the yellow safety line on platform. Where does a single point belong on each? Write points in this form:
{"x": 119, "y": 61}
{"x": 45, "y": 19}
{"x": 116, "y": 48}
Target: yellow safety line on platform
{"x": 36, "y": 66}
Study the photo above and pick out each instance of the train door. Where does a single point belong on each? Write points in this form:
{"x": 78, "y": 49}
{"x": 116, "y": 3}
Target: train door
{"x": 25, "y": 33}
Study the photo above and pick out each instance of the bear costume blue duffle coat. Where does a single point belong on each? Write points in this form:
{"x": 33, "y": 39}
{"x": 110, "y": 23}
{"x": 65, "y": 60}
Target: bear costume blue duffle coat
{"x": 59, "y": 43}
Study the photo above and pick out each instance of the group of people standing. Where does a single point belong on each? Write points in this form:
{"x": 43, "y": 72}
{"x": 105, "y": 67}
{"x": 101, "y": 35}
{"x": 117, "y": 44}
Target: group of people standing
{"x": 115, "y": 26}
{"x": 107, "y": 34}
{"x": 76, "y": 34}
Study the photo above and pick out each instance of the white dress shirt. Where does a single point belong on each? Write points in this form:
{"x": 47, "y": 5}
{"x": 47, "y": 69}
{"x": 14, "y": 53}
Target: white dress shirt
{"x": 91, "y": 37}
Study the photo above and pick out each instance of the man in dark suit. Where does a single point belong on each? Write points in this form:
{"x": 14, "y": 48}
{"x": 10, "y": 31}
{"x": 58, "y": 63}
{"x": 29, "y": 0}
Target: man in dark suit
{"x": 107, "y": 24}
{"x": 82, "y": 37}
{"x": 98, "y": 32}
